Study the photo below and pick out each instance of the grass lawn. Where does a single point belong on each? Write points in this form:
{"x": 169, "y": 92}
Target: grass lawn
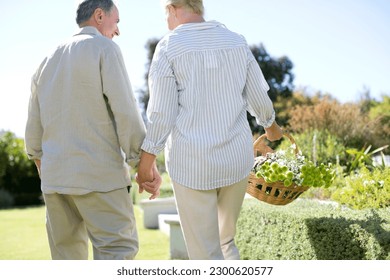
{"x": 23, "y": 236}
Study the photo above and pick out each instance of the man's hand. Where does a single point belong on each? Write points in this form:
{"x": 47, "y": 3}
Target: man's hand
{"x": 152, "y": 187}
{"x": 38, "y": 165}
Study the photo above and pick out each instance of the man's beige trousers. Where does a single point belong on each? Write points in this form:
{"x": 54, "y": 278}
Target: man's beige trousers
{"x": 106, "y": 218}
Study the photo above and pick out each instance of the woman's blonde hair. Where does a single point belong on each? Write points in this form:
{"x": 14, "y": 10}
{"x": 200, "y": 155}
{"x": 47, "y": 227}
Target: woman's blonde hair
{"x": 195, "y": 6}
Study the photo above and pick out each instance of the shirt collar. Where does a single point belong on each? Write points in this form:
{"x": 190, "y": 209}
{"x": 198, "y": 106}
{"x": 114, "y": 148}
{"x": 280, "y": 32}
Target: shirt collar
{"x": 89, "y": 30}
{"x": 198, "y": 26}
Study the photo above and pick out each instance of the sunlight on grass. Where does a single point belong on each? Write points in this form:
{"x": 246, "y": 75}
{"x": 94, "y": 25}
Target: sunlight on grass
{"x": 23, "y": 236}
{"x": 154, "y": 244}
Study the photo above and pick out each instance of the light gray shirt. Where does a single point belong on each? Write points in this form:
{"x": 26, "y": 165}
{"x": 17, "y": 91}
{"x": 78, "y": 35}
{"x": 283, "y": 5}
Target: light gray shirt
{"x": 83, "y": 119}
{"x": 203, "y": 80}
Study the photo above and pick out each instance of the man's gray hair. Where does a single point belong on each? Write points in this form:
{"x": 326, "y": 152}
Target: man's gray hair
{"x": 88, "y": 7}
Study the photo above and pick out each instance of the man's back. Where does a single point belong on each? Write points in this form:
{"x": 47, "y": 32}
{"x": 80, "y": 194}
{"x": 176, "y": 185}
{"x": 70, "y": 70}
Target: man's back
{"x": 78, "y": 97}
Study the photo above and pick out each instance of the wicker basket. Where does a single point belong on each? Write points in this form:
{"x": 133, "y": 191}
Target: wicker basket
{"x": 273, "y": 193}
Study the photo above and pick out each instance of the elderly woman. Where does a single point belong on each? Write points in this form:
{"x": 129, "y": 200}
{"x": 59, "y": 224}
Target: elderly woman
{"x": 203, "y": 80}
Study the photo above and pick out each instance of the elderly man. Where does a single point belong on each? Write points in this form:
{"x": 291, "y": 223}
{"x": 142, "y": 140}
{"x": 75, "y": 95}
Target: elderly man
{"x": 83, "y": 130}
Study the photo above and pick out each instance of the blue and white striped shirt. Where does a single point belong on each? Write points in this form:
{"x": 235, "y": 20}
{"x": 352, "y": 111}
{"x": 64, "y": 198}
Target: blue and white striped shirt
{"x": 202, "y": 80}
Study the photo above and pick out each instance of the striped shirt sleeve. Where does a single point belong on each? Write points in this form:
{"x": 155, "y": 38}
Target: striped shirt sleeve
{"x": 163, "y": 106}
{"x": 259, "y": 104}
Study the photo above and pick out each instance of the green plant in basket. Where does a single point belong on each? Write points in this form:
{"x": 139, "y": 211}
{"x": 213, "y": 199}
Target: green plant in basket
{"x": 291, "y": 167}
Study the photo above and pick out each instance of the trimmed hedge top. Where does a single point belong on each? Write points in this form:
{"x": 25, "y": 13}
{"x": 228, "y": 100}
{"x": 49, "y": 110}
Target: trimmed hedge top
{"x": 309, "y": 230}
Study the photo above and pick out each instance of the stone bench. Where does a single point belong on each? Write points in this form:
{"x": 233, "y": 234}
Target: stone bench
{"x": 177, "y": 246}
{"x": 153, "y": 208}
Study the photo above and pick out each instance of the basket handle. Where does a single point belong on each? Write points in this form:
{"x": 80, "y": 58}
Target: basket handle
{"x": 260, "y": 145}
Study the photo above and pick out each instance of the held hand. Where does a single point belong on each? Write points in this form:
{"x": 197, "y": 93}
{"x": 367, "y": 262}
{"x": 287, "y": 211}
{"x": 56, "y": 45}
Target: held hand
{"x": 148, "y": 178}
{"x": 140, "y": 188}
{"x": 141, "y": 178}
{"x": 145, "y": 169}
{"x": 153, "y": 187}
{"x": 149, "y": 187}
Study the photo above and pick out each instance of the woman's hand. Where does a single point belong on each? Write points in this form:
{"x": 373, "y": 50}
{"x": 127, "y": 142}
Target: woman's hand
{"x": 274, "y": 132}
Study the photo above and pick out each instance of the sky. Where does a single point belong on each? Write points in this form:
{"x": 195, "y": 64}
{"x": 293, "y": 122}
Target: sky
{"x": 339, "y": 47}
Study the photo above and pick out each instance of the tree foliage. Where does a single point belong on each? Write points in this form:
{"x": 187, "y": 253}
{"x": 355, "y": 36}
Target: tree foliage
{"x": 277, "y": 72}
{"x": 144, "y": 92}
{"x": 18, "y": 175}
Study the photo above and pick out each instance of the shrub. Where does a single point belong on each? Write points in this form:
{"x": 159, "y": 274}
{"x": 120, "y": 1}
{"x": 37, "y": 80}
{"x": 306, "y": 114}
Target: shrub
{"x": 18, "y": 174}
{"x": 284, "y": 105}
{"x": 307, "y": 230}
{"x": 380, "y": 113}
{"x": 160, "y": 161}
{"x": 166, "y": 189}
{"x": 365, "y": 189}
{"x": 6, "y": 199}
{"x": 345, "y": 121}
{"x": 318, "y": 146}
{"x": 363, "y": 158}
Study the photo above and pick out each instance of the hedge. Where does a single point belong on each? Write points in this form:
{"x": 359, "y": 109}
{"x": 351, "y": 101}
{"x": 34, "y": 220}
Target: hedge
{"x": 309, "y": 230}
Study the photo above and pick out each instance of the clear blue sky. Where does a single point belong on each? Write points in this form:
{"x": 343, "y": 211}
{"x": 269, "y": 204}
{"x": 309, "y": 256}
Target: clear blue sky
{"x": 337, "y": 46}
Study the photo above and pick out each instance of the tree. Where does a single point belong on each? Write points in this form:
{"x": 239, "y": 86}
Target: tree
{"x": 18, "y": 175}
{"x": 144, "y": 92}
{"x": 277, "y": 72}
{"x": 3, "y": 157}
